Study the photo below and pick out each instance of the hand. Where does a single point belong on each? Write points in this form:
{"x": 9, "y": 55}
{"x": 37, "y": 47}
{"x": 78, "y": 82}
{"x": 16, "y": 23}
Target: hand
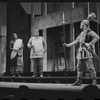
{"x": 15, "y": 50}
{"x": 32, "y": 46}
{"x": 65, "y": 44}
{"x": 44, "y": 50}
{"x": 90, "y": 43}
{"x": 87, "y": 45}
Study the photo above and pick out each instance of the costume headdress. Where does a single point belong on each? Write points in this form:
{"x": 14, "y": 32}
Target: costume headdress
{"x": 90, "y": 16}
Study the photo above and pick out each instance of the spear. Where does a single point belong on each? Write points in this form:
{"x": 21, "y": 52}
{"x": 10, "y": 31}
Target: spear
{"x": 64, "y": 47}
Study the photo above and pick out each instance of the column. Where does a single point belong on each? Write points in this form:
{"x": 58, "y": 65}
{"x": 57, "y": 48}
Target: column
{"x": 44, "y": 12}
{"x": 32, "y": 16}
{"x": 72, "y": 49}
{"x": 3, "y": 37}
{"x": 98, "y": 22}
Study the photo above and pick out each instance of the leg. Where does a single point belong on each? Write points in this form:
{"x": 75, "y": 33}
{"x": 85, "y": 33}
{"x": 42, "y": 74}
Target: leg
{"x": 91, "y": 69}
{"x": 12, "y": 72}
{"x": 35, "y": 67}
{"x": 79, "y": 73}
{"x": 14, "y": 65}
{"x": 40, "y": 65}
{"x": 19, "y": 66}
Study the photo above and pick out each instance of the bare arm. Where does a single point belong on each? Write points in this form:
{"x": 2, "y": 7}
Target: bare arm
{"x": 95, "y": 37}
{"x": 22, "y": 46}
{"x": 11, "y": 45}
{"x": 29, "y": 44}
{"x": 72, "y": 43}
{"x": 44, "y": 44}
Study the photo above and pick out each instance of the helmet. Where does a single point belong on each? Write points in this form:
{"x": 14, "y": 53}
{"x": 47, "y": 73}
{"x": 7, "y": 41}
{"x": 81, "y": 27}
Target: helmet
{"x": 91, "y": 16}
{"x": 85, "y": 22}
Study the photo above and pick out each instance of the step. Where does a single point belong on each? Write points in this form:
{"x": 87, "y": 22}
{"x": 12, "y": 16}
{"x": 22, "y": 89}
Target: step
{"x": 60, "y": 73}
{"x": 69, "y": 73}
{"x": 86, "y": 80}
{"x": 57, "y": 74}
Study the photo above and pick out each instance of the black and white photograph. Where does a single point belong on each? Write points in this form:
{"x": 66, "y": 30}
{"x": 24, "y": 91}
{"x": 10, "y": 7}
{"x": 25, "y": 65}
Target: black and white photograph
{"x": 49, "y": 50}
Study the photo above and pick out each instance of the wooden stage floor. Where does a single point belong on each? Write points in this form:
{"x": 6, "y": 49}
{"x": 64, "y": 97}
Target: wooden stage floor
{"x": 45, "y": 86}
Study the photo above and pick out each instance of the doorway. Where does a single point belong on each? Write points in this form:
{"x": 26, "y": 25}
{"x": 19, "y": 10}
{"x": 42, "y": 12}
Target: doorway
{"x": 55, "y": 54}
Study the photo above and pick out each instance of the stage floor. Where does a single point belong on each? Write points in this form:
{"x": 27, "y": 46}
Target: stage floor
{"x": 45, "y": 86}
{"x": 48, "y": 91}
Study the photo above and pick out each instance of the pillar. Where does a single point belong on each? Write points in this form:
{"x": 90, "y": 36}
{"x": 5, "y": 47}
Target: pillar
{"x": 32, "y": 16}
{"x": 72, "y": 49}
{"x": 3, "y": 37}
{"x": 44, "y": 12}
{"x": 98, "y": 22}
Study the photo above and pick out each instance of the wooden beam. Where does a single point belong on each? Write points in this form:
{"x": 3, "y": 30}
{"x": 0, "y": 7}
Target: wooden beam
{"x": 55, "y": 19}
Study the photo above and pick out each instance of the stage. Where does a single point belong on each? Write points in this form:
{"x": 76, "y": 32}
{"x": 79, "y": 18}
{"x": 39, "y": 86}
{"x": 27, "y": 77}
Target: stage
{"x": 48, "y": 91}
{"x": 44, "y": 86}
{"x": 53, "y": 86}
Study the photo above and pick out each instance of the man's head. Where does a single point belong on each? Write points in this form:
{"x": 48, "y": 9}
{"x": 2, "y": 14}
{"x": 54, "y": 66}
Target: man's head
{"x": 85, "y": 23}
{"x": 36, "y": 33}
{"x": 15, "y": 36}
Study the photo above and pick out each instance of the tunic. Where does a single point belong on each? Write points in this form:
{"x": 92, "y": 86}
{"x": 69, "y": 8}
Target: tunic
{"x": 37, "y": 50}
{"x": 82, "y": 52}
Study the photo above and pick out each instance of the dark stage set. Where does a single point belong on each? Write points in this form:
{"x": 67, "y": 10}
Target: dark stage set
{"x": 49, "y": 87}
{"x": 57, "y": 82}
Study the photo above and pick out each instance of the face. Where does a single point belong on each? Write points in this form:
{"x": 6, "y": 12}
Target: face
{"x": 36, "y": 33}
{"x": 81, "y": 25}
{"x": 84, "y": 24}
{"x": 15, "y": 36}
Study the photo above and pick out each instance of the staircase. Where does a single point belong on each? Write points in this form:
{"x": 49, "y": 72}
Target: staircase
{"x": 51, "y": 77}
